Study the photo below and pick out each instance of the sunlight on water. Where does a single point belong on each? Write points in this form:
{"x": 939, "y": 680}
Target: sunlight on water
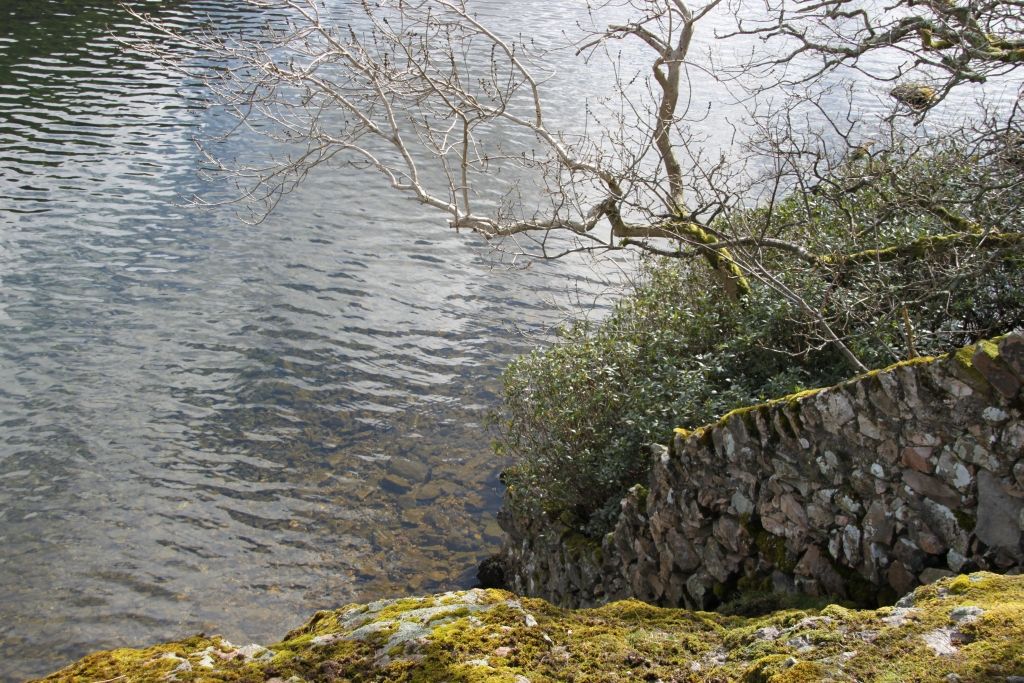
{"x": 211, "y": 426}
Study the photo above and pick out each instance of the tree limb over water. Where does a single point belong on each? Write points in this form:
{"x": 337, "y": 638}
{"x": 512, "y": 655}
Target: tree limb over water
{"x": 456, "y": 113}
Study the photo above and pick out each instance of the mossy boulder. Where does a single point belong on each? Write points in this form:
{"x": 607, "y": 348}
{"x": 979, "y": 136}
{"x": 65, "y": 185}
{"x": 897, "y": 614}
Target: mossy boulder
{"x": 968, "y": 628}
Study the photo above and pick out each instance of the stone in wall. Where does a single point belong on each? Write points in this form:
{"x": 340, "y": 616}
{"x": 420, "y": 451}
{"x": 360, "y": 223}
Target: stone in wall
{"x": 863, "y": 491}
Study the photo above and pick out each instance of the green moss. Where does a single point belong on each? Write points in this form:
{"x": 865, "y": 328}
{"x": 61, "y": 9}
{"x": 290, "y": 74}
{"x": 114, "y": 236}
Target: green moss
{"x": 965, "y": 520}
{"x": 641, "y": 495}
{"x": 487, "y": 637}
{"x": 959, "y": 585}
{"x": 580, "y": 545}
{"x": 719, "y": 258}
{"x": 783, "y": 669}
{"x": 925, "y": 245}
{"x": 963, "y": 356}
{"x": 774, "y": 549}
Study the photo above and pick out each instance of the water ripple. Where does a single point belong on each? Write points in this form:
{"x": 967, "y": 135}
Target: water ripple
{"x": 197, "y": 416}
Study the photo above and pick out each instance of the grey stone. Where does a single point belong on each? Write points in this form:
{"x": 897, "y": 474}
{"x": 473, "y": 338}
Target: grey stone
{"x": 965, "y": 614}
{"x": 998, "y": 375}
{"x": 835, "y": 544}
{"x": 697, "y": 587}
{"x": 390, "y": 482}
{"x": 766, "y": 633}
{"x": 819, "y": 516}
{"x": 909, "y": 553}
{"x": 848, "y": 504}
{"x": 931, "y": 488}
{"x": 409, "y": 470}
{"x": 900, "y": 578}
{"x": 908, "y": 382}
{"x": 926, "y": 540}
{"x": 917, "y": 458}
{"x": 815, "y": 565}
{"x": 1011, "y": 350}
{"x": 955, "y": 561}
{"x": 940, "y": 641}
{"x": 879, "y": 525}
{"x": 793, "y": 510}
{"x": 714, "y": 561}
{"x": 999, "y": 511}
{"x": 944, "y": 523}
{"x": 868, "y": 428}
{"x": 924, "y": 439}
{"x": 851, "y": 545}
{"x": 889, "y": 452}
{"x": 995, "y": 415}
{"x": 730, "y": 534}
{"x": 774, "y": 524}
{"x": 741, "y": 504}
{"x": 957, "y": 387}
{"x": 824, "y": 497}
{"x": 836, "y": 409}
{"x": 683, "y": 553}
{"x": 828, "y": 464}
{"x": 969, "y": 450}
{"x": 1012, "y": 438}
{"x": 954, "y": 472}
{"x": 903, "y": 612}
{"x": 876, "y": 558}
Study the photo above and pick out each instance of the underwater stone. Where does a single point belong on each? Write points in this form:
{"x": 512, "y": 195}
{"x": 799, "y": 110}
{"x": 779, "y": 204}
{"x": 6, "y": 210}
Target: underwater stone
{"x": 409, "y": 470}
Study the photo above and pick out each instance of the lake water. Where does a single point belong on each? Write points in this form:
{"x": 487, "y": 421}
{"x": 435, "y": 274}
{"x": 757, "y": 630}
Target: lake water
{"x": 210, "y": 426}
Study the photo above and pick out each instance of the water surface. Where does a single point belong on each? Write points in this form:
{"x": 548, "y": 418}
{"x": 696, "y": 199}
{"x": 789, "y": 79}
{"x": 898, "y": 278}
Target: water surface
{"x": 210, "y": 426}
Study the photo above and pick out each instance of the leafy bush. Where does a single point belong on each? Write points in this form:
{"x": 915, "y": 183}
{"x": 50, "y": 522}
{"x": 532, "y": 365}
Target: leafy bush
{"x": 671, "y": 352}
{"x": 900, "y": 277}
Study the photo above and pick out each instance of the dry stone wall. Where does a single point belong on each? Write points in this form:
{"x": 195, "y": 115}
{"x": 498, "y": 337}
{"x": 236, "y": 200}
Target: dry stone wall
{"x": 863, "y": 490}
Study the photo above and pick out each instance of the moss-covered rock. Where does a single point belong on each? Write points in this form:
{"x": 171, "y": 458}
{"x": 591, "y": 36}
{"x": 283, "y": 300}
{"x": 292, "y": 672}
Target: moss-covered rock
{"x": 971, "y": 626}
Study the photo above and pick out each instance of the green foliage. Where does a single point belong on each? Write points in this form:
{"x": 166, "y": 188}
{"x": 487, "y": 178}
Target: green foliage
{"x": 671, "y": 352}
{"x": 905, "y": 267}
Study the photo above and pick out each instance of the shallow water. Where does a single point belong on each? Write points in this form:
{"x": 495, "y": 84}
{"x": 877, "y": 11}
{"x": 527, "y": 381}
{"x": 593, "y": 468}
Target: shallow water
{"x": 200, "y": 420}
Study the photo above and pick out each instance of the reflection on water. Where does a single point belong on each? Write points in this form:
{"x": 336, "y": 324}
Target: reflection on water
{"x": 210, "y": 426}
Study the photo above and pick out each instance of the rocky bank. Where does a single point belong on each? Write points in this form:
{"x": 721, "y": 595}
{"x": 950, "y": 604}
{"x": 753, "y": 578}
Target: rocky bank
{"x": 967, "y": 628}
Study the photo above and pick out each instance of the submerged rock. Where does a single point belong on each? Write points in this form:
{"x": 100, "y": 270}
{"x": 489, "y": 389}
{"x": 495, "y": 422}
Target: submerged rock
{"x": 968, "y": 628}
